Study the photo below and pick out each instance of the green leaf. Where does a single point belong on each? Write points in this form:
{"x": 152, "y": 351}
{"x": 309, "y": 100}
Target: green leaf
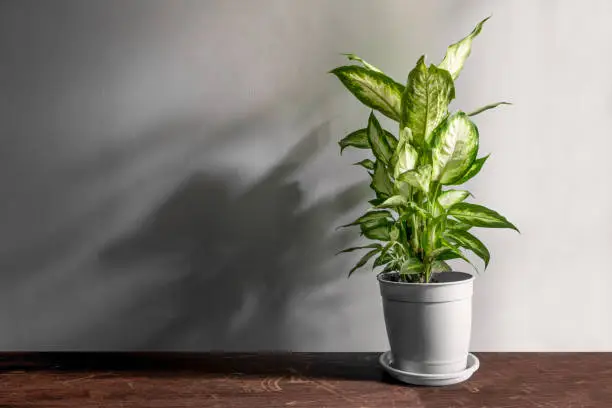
{"x": 487, "y": 107}
{"x": 374, "y": 224}
{"x": 480, "y": 216}
{"x": 440, "y": 266}
{"x": 444, "y": 254}
{"x": 380, "y": 181}
{"x": 457, "y": 53}
{"x": 406, "y": 216}
{"x": 419, "y": 178}
{"x": 394, "y": 233}
{"x": 394, "y": 202}
{"x": 382, "y": 260}
{"x": 391, "y": 140}
{"x": 457, "y": 252}
{"x": 366, "y": 64}
{"x": 378, "y": 140}
{"x": 454, "y": 224}
{"x": 473, "y": 170}
{"x": 370, "y": 216}
{"x": 372, "y": 88}
{"x": 425, "y": 100}
{"x": 384, "y": 256}
{"x": 392, "y": 266}
{"x": 376, "y": 229}
{"x": 455, "y": 145}
{"x": 411, "y": 266}
{"x": 367, "y": 163}
{"x": 468, "y": 241}
{"x": 451, "y": 197}
{"x": 376, "y": 201}
{"x": 364, "y": 259}
{"x": 405, "y": 135}
{"x": 358, "y": 139}
{"x": 437, "y": 252}
{"x": 406, "y": 159}
{"x": 388, "y": 247}
{"x": 375, "y": 245}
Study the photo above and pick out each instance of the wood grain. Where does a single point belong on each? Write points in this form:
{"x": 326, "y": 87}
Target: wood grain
{"x": 505, "y": 380}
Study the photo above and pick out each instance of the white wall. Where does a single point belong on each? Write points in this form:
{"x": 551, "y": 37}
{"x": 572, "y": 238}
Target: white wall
{"x": 153, "y": 196}
{"x": 548, "y": 289}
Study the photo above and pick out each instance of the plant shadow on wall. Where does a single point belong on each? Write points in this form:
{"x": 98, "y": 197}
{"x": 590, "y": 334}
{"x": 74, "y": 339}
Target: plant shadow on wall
{"x": 240, "y": 260}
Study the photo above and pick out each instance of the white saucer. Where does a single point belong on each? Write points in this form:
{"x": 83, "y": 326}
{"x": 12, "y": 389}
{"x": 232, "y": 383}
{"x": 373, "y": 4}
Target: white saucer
{"x": 385, "y": 360}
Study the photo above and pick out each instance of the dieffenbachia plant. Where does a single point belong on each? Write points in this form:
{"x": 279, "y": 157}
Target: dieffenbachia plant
{"x": 419, "y": 220}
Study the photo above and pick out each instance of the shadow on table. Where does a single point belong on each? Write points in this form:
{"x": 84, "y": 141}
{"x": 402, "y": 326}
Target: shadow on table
{"x": 292, "y": 367}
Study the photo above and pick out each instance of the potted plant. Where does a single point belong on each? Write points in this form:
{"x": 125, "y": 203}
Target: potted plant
{"x": 419, "y": 220}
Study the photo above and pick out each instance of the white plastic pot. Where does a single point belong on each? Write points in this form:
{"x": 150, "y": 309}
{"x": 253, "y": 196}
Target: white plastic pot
{"x": 429, "y": 324}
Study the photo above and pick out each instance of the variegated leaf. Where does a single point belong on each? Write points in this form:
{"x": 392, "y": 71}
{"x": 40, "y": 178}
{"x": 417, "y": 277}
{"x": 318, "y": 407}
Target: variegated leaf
{"x": 394, "y": 202}
{"x": 376, "y": 229}
{"x": 411, "y": 266}
{"x": 391, "y": 140}
{"x": 366, "y": 163}
{"x": 380, "y": 181}
{"x": 419, "y": 178}
{"x": 457, "y": 252}
{"x": 425, "y": 100}
{"x": 457, "y": 53}
{"x": 468, "y": 241}
{"x": 377, "y": 201}
{"x": 370, "y": 216}
{"x": 364, "y": 259}
{"x": 449, "y": 198}
{"x": 406, "y": 158}
{"x": 405, "y": 134}
{"x": 440, "y": 266}
{"x": 384, "y": 257}
{"x": 358, "y": 139}
{"x": 480, "y": 216}
{"x": 375, "y": 245}
{"x": 443, "y": 254}
{"x": 373, "y": 89}
{"x": 378, "y": 140}
{"x": 392, "y": 266}
{"x": 454, "y": 224}
{"x": 394, "y": 233}
{"x": 473, "y": 170}
{"x": 455, "y": 145}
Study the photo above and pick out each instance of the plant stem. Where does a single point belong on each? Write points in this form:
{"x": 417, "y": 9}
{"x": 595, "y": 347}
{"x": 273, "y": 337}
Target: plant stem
{"x": 427, "y": 271}
{"x": 415, "y": 228}
{"x": 430, "y": 230}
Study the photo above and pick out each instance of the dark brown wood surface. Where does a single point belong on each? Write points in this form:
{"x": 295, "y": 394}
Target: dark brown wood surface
{"x": 505, "y": 380}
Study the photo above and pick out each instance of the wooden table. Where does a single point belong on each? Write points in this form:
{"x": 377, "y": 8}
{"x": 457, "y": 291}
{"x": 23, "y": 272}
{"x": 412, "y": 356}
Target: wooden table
{"x": 505, "y": 380}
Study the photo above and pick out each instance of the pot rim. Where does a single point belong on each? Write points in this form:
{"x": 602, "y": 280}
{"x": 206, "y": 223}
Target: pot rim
{"x": 469, "y": 278}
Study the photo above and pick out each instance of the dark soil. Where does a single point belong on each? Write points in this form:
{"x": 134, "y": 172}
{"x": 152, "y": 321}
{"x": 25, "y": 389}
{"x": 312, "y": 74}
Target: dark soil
{"x": 395, "y": 277}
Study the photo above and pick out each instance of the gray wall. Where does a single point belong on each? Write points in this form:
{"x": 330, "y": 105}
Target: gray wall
{"x": 170, "y": 177}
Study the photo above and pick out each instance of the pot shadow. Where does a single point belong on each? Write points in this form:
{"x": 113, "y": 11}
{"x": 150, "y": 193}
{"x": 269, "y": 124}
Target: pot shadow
{"x": 241, "y": 262}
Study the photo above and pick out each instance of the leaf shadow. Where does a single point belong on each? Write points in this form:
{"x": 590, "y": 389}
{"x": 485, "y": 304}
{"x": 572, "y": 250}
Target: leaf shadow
{"x": 241, "y": 261}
